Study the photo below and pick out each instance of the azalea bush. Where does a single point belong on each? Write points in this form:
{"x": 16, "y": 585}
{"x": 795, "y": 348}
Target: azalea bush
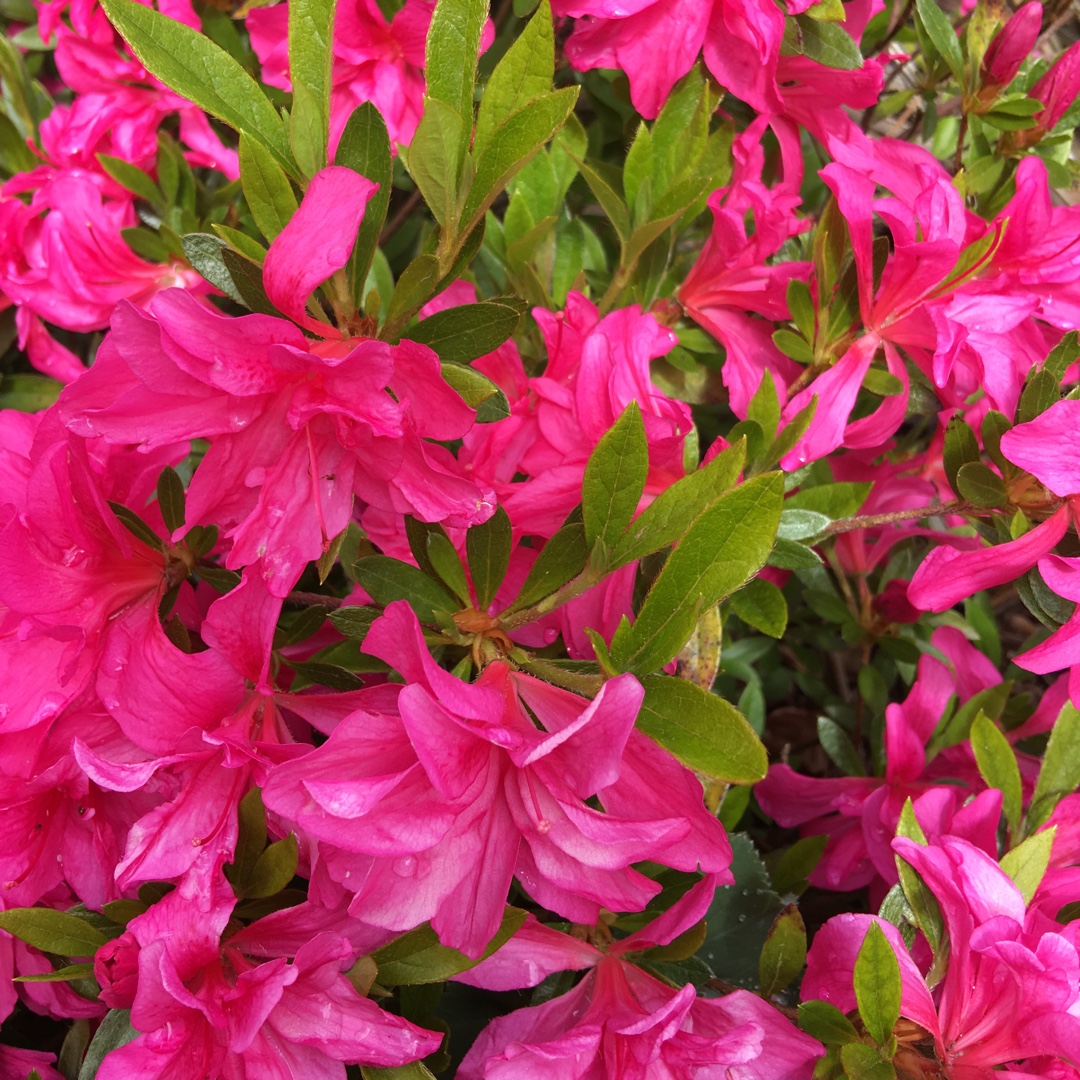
{"x": 539, "y": 543}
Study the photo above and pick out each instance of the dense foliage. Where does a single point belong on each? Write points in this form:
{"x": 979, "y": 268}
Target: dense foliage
{"x": 539, "y": 544}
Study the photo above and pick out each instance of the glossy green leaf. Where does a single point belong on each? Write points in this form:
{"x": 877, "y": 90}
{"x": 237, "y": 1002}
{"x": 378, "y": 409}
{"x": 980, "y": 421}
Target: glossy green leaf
{"x": 997, "y": 765}
{"x": 615, "y": 478}
{"x": 444, "y": 558}
{"x": 961, "y": 447}
{"x": 877, "y": 985}
{"x": 488, "y": 547}
{"x": 702, "y": 730}
{"x": 269, "y": 194}
{"x": 386, "y": 580}
{"x": 798, "y": 524}
{"x": 417, "y": 957}
{"x": 461, "y": 334}
{"x": 192, "y": 65}
{"x": 672, "y": 512}
{"x": 724, "y": 547}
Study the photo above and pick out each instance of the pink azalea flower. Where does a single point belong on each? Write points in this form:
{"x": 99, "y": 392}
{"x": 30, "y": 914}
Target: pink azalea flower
{"x": 205, "y": 1009}
{"x": 1010, "y": 991}
{"x": 860, "y": 814}
{"x": 17, "y": 1064}
{"x": 621, "y": 1021}
{"x": 409, "y": 807}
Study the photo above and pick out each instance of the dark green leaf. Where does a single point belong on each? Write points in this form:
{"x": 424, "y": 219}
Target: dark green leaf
{"x": 386, "y": 580}
{"x": 461, "y": 334}
{"x": 826, "y": 1023}
{"x": 269, "y": 194}
{"x": 250, "y": 842}
{"x": 113, "y": 1032}
{"x": 836, "y": 742}
{"x": 365, "y": 148}
{"x": 354, "y": 622}
{"x": 941, "y": 33}
{"x": 877, "y": 985}
{"x": 979, "y": 484}
{"x": 488, "y": 547}
{"x": 996, "y": 760}
{"x": 247, "y": 277}
{"x": 205, "y": 253}
{"x": 136, "y": 526}
{"x": 52, "y": 931}
{"x": 828, "y": 43}
{"x": 702, "y": 730}
{"x": 609, "y": 199}
{"x": 784, "y": 952}
{"x": 961, "y": 447}
{"x": 1063, "y": 355}
{"x": 790, "y": 872}
{"x": 478, "y": 392}
{"x": 192, "y": 65}
{"x": 724, "y": 547}
{"x": 1040, "y": 392}
{"x": 561, "y": 559}
{"x": 415, "y": 286}
{"x": 171, "y": 499}
{"x": 273, "y": 869}
{"x": 446, "y": 563}
{"x": 615, "y": 478}
{"x": 417, "y": 957}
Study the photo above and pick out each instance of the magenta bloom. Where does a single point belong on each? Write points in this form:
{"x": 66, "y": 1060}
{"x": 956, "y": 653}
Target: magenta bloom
{"x": 429, "y": 814}
{"x": 205, "y": 1009}
{"x": 621, "y": 1022}
{"x": 1011, "y": 991}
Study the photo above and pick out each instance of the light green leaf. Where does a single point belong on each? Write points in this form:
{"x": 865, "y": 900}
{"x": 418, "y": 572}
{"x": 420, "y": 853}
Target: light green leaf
{"x": 610, "y": 200}
{"x": 724, "y": 547}
{"x": 521, "y": 76}
{"x": 862, "y": 1062}
{"x": 416, "y": 285}
{"x": 996, "y": 760}
{"x": 796, "y": 524}
{"x": 52, "y": 931}
{"x": 311, "y": 27}
{"x": 1027, "y": 862}
{"x": 615, "y": 478}
{"x": 833, "y": 500}
{"x": 28, "y": 393}
{"x": 702, "y": 730}
{"x": 877, "y": 985}
{"x": 447, "y": 564}
{"x": 133, "y": 178}
{"x": 453, "y": 47}
{"x": 192, "y": 65}
{"x": 828, "y": 44}
{"x": 478, "y": 392}
{"x": 1059, "y": 774}
{"x": 267, "y": 190}
{"x": 784, "y": 952}
{"x": 826, "y": 1023}
{"x": 940, "y": 31}
{"x": 241, "y": 243}
{"x": 434, "y": 159}
{"x": 273, "y": 869}
{"x": 64, "y": 974}
{"x": 760, "y": 604}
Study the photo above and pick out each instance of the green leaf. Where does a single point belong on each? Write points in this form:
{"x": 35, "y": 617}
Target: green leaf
{"x": 615, "y": 478}
{"x": 790, "y": 872}
{"x": 365, "y": 148}
{"x": 171, "y": 498}
{"x": 511, "y": 145}
{"x": 961, "y": 447}
{"x": 250, "y": 842}
{"x": 417, "y": 957}
{"x": 478, "y": 392}
{"x": 639, "y": 163}
{"x": 416, "y": 1070}
{"x": 64, "y": 974}
{"x": 461, "y": 334}
{"x": 724, "y": 547}
{"x": 52, "y": 931}
{"x": 1027, "y": 862}
{"x": 354, "y": 622}
{"x": 247, "y": 277}
{"x": 133, "y": 178}
{"x": 434, "y": 160}
{"x": 416, "y": 285}
{"x": 828, "y": 44}
{"x": 488, "y": 547}
{"x": 446, "y": 563}
{"x": 561, "y": 559}
{"x": 1059, "y": 774}
{"x": 702, "y": 730}
{"x": 267, "y": 189}
{"x": 764, "y": 407}
{"x": 862, "y": 1062}
{"x": 311, "y": 26}
{"x": 997, "y": 764}
{"x": 1039, "y": 393}
{"x": 15, "y": 155}
{"x": 1064, "y": 354}
{"x": 784, "y": 952}
{"x": 28, "y": 393}
{"x": 241, "y": 243}
{"x": 523, "y": 74}
{"x": 386, "y": 580}
{"x": 672, "y": 512}
{"x": 273, "y": 869}
{"x": 826, "y": 1023}
{"x": 796, "y": 524}
{"x": 922, "y": 901}
{"x": 877, "y": 985}
{"x": 453, "y": 46}
{"x": 836, "y": 742}
{"x": 791, "y": 555}
{"x": 833, "y": 500}
{"x": 761, "y": 604}
{"x": 205, "y": 253}
{"x": 192, "y": 65}
{"x": 941, "y": 33}
{"x": 112, "y": 1033}
{"x": 610, "y": 200}
{"x": 979, "y": 484}
{"x": 793, "y": 345}
{"x": 136, "y": 526}
{"x": 801, "y": 305}
{"x": 882, "y": 383}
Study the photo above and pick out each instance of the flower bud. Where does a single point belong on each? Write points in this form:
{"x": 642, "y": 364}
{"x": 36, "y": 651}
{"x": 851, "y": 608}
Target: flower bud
{"x": 1013, "y": 43}
{"x": 116, "y": 968}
